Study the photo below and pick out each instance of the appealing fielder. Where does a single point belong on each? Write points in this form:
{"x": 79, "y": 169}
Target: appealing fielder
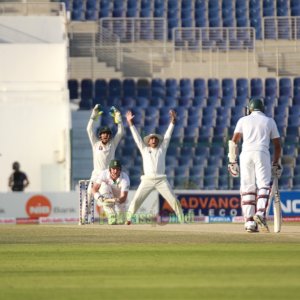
{"x": 153, "y": 150}
{"x": 110, "y": 189}
{"x": 257, "y": 130}
{"x": 104, "y": 147}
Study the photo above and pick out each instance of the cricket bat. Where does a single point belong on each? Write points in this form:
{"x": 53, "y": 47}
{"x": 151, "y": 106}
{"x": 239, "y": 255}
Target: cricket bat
{"x": 277, "y": 207}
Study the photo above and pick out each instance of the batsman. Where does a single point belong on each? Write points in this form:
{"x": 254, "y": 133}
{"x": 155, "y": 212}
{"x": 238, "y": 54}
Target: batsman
{"x": 104, "y": 147}
{"x": 256, "y": 130}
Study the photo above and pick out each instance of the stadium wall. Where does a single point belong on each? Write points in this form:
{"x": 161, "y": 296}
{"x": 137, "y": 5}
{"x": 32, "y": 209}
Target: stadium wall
{"x": 34, "y": 102}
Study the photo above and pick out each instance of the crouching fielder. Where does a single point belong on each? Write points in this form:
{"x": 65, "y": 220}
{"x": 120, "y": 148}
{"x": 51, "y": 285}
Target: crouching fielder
{"x": 110, "y": 190}
{"x": 153, "y": 150}
{"x": 257, "y": 130}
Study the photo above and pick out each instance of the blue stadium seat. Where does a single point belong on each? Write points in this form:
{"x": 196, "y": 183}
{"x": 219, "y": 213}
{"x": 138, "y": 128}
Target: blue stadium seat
{"x": 219, "y": 135}
{"x": 294, "y": 120}
{"x": 114, "y": 91}
{"x": 159, "y": 4}
{"x": 271, "y": 87}
{"x": 294, "y": 110}
{"x": 256, "y": 85}
{"x": 86, "y": 89}
{"x": 213, "y": 86}
{"x": 143, "y": 88}
{"x": 101, "y": 91}
{"x": 76, "y": 14}
{"x": 146, "y": 4}
{"x": 295, "y": 7}
{"x": 185, "y": 92}
{"x": 190, "y": 135}
{"x": 285, "y": 87}
{"x": 172, "y": 23}
{"x": 199, "y": 88}
{"x": 159, "y": 12}
{"x": 284, "y": 101}
{"x": 228, "y": 91}
{"x": 129, "y": 88}
{"x": 91, "y": 15}
{"x": 242, "y": 87}
{"x": 282, "y": 7}
{"x": 228, "y": 18}
{"x": 268, "y": 8}
{"x": 256, "y": 23}
{"x": 73, "y": 89}
{"x": 145, "y": 13}
{"x": 296, "y": 91}
{"x": 138, "y": 116}
{"x": 119, "y": 8}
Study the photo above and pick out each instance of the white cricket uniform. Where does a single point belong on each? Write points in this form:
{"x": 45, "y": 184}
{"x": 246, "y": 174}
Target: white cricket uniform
{"x": 255, "y": 162}
{"x": 110, "y": 188}
{"x": 102, "y": 155}
{"x": 154, "y": 174}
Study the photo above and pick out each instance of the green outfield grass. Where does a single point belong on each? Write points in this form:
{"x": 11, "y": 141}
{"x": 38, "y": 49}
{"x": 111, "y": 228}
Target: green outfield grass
{"x": 72, "y": 262}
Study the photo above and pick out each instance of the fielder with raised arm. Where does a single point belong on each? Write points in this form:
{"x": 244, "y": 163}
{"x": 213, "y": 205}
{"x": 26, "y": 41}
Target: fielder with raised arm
{"x": 104, "y": 147}
{"x": 110, "y": 189}
{"x": 257, "y": 130}
{"x": 153, "y": 150}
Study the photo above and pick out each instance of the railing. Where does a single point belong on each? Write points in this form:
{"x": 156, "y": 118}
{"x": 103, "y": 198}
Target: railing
{"x": 214, "y": 38}
{"x": 281, "y": 28}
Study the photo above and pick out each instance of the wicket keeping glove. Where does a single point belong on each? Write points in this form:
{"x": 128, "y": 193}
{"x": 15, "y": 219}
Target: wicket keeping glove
{"x": 96, "y": 112}
{"x": 116, "y": 115}
{"x": 99, "y": 198}
{"x": 276, "y": 170}
{"x": 234, "y": 169}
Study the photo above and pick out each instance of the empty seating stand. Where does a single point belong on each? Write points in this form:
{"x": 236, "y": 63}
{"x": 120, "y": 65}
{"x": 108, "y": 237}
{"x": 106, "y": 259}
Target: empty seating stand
{"x": 204, "y": 122}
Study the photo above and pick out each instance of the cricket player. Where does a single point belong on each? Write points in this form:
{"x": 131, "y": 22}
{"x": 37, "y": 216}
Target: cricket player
{"x": 153, "y": 149}
{"x": 256, "y": 130}
{"x": 110, "y": 189}
{"x": 104, "y": 147}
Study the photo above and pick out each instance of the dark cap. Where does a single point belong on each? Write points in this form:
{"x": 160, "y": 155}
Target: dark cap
{"x": 114, "y": 164}
{"x": 105, "y": 129}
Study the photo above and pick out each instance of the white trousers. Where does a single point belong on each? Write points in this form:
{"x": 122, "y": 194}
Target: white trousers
{"x": 162, "y": 185}
{"x": 255, "y": 170}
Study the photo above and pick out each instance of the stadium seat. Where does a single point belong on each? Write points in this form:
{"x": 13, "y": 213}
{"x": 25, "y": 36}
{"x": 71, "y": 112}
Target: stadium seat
{"x": 242, "y": 87}
{"x": 295, "y": 7}
{"x": 101, "y": 91}
{"x": 143, "y": 88}
{"x": 296, "y": 91}
{"x": 271, "y": 87}
{"x": 213, "y": 87}
{"x": 129, "y": 88}
{"x": 73, "y": 89}
{"x": 268, "y": 8}
{"x": 285, "y": 87}
{"x": 256, "y": 85}
{"x": 114, "y": 91}
{"x": 86, "y": 89}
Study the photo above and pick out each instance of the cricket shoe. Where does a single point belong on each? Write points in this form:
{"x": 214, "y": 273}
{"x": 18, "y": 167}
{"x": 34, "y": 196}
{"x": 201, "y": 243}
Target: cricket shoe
{"x": 128, "y": 222}
{"x": 261, "y": 221}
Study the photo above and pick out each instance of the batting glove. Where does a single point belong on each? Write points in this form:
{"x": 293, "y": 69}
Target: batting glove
{"x": 96, "y": 112}
{"x": 276, "y": 170}
{"x": 234, "y": 169}
{"x": 116, "y": 115}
